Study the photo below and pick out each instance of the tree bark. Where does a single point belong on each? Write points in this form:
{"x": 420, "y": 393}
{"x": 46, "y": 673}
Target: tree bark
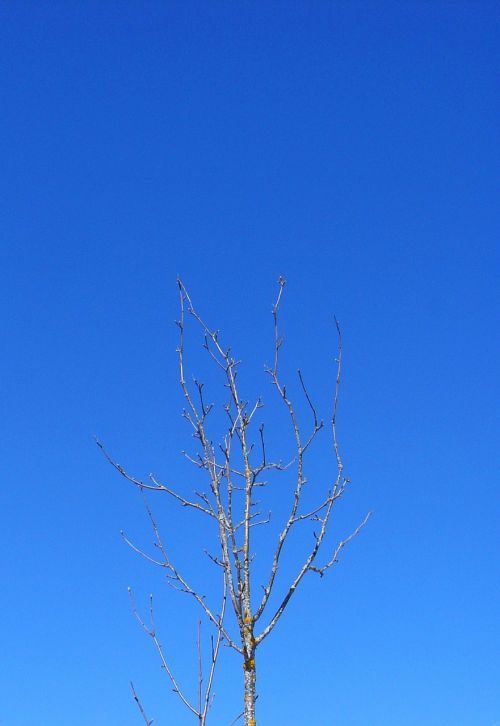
{"x": 249, "y": 647}
{"x": 250, "y": 694}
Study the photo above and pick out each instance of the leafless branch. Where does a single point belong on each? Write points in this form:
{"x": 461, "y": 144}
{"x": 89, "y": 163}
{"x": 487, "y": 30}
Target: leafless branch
{"x": 326, "y": 506}
{"x": 215, "y": 473}
{"x": 204, "y": 696}
{"x": 200, "y": 666}
{"x": 237, "y": 718}
{"x": 321, "y": 570}
{"x": 214, "y": 656}
{"x": 336, "y": 398}
{"x": 185, "y": 502}
{"x": 139, "y": 706}
{"x": 150, "y": 630}
{"x": 156, "y": 486}
{"x": 182, "y": 583}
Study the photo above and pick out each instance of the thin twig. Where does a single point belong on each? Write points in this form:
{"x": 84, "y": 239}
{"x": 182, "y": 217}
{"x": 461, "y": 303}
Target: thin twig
{"x": 321, "y": 570}
{"x": 150, "y": 630}
{"x": 139, "y": 706}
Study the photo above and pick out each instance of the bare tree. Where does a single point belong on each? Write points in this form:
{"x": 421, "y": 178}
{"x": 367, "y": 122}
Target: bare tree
{"x": 235, "y": 468}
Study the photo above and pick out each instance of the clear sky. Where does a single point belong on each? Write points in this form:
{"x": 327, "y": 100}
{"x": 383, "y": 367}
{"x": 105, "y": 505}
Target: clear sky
{"x": 349, "y": 146}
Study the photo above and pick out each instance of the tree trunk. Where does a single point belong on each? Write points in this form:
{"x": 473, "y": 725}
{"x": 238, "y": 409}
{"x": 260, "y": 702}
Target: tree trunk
{"x": 250, "y": 694}
{"x": 248, "y": 643}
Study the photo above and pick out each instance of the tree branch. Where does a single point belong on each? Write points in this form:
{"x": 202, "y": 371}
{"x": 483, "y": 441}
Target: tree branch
{"x": 139, "y": 706}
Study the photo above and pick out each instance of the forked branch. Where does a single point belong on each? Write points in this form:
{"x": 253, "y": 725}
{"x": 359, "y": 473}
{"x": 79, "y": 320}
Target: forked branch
{"x": 204, "y": 695}
{"x": 323, "y": 511}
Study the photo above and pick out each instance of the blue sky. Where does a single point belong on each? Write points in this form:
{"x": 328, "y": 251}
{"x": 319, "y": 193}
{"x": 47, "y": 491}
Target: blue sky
{"x": 352, "y": 148}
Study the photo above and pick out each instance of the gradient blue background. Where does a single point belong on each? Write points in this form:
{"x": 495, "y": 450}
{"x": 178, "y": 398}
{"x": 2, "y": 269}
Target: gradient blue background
{"x": 353, "y": 148}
